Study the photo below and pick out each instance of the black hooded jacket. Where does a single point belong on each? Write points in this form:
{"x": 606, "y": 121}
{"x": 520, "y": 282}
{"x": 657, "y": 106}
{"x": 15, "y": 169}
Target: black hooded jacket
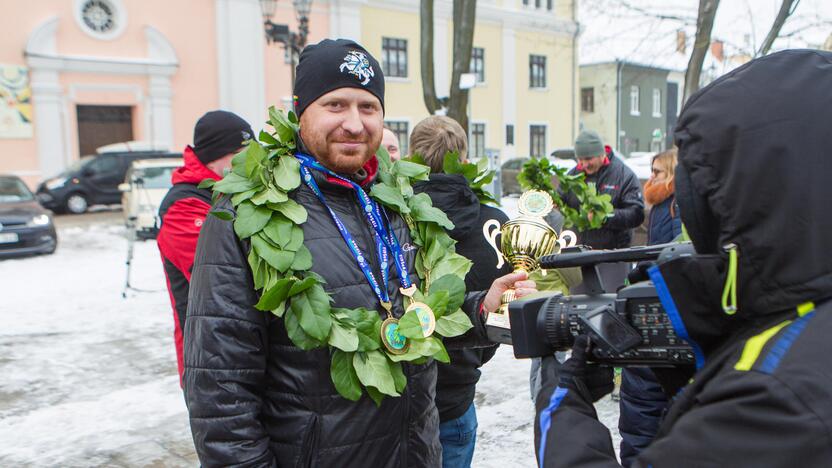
{"x": 456, "y": 382}
{"x": 754, "y": 172}
{"x": 254, "y": 399}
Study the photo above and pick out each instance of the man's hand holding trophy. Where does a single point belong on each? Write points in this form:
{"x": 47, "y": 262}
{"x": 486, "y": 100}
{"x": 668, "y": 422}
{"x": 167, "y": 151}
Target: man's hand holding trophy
{"x": 523, "y": 241}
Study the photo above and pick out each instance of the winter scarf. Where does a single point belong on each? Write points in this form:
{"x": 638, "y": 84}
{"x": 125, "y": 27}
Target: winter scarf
{"x": 657, "y": 193}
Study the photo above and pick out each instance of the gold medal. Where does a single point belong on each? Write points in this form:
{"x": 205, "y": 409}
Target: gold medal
{"x": 427, "y": 319}
{"x": 394, "y": 341}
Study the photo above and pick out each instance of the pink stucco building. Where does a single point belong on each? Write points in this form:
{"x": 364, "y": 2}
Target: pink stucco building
{"x": 101, "y": 71}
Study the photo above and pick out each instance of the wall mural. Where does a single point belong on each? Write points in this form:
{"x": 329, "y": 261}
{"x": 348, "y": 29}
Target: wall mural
{"x": 15, "y": 102}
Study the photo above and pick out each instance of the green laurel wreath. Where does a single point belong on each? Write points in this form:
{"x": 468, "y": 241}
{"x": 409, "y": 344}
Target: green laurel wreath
{"x": 477, "y": 174}
{"x": 537, "y": 174}
{"x": 259, "y": 184}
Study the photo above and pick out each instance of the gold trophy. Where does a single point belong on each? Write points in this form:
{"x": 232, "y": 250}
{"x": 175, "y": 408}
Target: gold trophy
{"x": 522, "y": 242}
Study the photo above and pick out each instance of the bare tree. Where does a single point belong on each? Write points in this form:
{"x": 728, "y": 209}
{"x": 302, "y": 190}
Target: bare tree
{"x": 786, "y": 9}
{"x": 701, "y": 44}
{"x": 464, "y": 18}
{"x": 426, "y": 45}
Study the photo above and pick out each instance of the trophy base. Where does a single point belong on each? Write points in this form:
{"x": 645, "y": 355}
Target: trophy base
{"x": 498, "y": 328}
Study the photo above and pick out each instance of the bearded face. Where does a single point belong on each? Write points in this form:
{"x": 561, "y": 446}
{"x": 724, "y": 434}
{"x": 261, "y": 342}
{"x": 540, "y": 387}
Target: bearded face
{"x": 343, "y": 129}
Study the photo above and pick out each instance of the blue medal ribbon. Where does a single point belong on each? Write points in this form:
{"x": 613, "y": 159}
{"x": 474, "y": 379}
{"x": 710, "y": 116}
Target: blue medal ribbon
{"x": 384, "y": 238}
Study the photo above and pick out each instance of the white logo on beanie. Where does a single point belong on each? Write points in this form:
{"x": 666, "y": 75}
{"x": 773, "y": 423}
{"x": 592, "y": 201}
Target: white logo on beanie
{"x": 356, "y": 63}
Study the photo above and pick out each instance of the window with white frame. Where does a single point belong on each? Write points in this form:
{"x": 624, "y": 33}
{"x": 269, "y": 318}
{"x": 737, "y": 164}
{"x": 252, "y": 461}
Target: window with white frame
{"x": 634, "y": 100}
{"x": 588, "y": 100}
{"x": 477, "y": 149}
{"x": 394, "y": 57}
{"x": 657, "y": 102}
{"x": 478, "y": 63}
{"x": 537, "y": 141}
{"x": 101, "y": 19}
{"x": 537, "y": 71}
{"x": 401, "y": 130}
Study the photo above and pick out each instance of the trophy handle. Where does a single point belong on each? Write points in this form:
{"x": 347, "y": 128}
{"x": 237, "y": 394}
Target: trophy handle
{"x": 491, "y": 229}
{"x": 573, "y": 239}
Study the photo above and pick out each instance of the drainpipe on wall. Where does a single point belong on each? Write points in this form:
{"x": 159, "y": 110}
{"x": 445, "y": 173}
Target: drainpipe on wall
{"x": 618, "y": 105}
{"x": 574, "y": 65}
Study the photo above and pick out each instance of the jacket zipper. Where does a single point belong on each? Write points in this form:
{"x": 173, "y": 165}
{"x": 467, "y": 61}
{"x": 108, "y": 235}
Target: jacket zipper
{"x": 405, "y": 436}
{"x": 308, "y": 445}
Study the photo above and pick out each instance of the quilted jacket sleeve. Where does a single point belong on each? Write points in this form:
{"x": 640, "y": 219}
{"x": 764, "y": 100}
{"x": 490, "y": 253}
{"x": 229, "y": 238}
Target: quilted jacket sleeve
{"x": 629, "y": 211}
{"x": 225, "y": 354}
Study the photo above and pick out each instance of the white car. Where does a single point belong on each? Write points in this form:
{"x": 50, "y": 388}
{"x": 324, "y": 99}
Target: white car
{"x": 145, "y": 186}
{"x": 641, "y": 164}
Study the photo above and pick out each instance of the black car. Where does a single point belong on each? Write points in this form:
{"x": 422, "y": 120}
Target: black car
{"x": 25, "y": 226}
{"x": 92, "y": 180}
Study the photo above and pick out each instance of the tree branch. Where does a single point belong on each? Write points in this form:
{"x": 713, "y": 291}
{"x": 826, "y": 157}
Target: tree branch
{"x": 704, "y": 26}
{"x": 426, "y": 41}
{"x": 654, "y": 14}
{"x": 465, "y": 12}
{"x": 786, "y": 10}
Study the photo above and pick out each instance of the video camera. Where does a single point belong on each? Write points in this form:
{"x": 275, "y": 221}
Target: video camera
{"x": 628, "y": 329}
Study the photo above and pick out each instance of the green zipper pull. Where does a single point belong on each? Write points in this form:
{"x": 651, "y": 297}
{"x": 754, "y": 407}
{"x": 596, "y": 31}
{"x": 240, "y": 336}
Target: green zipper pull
{"x": 730, "y": 290}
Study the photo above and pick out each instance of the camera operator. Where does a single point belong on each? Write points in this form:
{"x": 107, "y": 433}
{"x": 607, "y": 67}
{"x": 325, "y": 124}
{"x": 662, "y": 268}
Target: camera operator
{"x": 752, "y": 188}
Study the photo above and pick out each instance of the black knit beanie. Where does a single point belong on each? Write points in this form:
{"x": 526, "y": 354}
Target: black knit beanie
{"x": 332, "y": 64}
{"x": 218, "y": 133}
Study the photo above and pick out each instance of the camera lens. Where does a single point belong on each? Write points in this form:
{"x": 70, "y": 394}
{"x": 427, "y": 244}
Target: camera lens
{"x": 555, "y": 324}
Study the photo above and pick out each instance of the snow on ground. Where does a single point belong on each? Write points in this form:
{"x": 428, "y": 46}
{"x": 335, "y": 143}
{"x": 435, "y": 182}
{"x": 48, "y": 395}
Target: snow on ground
{"x": 89, "y": 377}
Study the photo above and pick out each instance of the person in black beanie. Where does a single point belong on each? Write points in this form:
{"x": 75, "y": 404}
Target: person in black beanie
{"x": 218, "y": 136}
{"x": 256, "y": 399}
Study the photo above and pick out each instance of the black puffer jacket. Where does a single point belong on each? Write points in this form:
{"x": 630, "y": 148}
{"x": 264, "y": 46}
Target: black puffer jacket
{"x": 753, "y": 171}
{"x": 619, "y": 182}
{"x": 257, "y": 400}
{"x": 456, "y": 383}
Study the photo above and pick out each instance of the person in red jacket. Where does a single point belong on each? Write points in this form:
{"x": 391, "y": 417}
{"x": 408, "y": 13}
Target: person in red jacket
{"x": 218, "y": 136}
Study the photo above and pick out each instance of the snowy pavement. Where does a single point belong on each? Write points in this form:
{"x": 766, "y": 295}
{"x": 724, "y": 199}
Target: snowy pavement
{"x": 89, "y": 378}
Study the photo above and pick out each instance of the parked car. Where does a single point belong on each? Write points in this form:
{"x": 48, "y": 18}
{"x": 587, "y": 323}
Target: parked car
{"x": 145, "y": 185}
{"x": 641, "y": 164}
{"x": 508, "y": 175}
{"x": 25, "y": 226}
{"x": 511, "y": 169}
{"x": 94, "y": 180}
{"x": 564, "y": 158}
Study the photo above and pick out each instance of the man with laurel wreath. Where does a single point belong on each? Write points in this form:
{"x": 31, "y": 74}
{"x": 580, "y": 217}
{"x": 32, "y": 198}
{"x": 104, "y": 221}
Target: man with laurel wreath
{"x": 254, "y": 397}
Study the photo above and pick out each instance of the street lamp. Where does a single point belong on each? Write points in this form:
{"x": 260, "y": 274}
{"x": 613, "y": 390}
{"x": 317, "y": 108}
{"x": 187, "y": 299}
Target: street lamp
{"x": 302, "y": 10}
{"x": 293, "y": 42}
{"x": 268, "y": 7}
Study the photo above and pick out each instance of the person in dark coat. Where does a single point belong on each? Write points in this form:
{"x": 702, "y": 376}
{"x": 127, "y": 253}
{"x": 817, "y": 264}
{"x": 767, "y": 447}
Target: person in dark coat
{"x": 612, "y": 177}
{"x": 218, "y": 136}
{"x": 456, "y": 382}
{"x": 762, "y": 394}
{"x": 254, "y": 399}
{"x": 642, "y": 399}
{"x": 664, "y": 223}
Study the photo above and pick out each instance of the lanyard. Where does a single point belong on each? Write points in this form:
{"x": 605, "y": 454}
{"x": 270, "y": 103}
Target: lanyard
{"x": 383, "y": 237}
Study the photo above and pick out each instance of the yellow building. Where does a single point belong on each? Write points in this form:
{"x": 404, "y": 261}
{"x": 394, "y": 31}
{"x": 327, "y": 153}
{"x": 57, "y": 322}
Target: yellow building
{"x": 525, "y": 56}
